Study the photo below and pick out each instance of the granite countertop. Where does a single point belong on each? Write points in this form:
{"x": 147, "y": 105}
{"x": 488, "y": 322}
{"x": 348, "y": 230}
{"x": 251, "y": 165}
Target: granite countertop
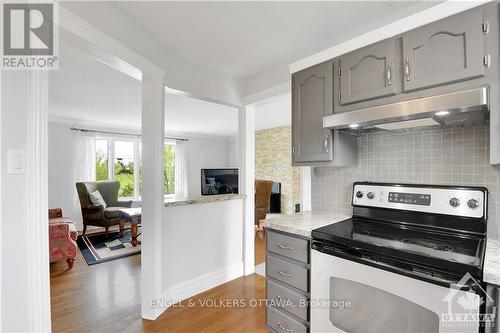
{"x": 491, "y": 269}
{"x": 203, "y": 199}
{"x": 302, "y": 223}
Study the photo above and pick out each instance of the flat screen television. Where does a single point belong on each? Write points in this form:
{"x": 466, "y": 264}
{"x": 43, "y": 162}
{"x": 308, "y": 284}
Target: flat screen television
{"x": 219, "y": 181}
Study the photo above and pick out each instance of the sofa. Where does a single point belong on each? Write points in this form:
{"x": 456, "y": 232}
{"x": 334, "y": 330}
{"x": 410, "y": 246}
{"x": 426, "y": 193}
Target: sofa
{"x": 62, "y": 238}
{"x": 98, "y": 215}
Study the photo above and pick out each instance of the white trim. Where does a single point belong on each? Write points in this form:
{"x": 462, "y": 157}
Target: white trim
{"x": 198, "y": 285}
{"x": 305, "y": 189}
{"x": 1, "y": 222}
{"x": 173, "y": 91}
{"x": 246, "y": 124}
{"x": 37, "y": 201}
{"x": 104, "y": 48}
{"x": 153, "y": 129}
{"x": 416, "y": 20}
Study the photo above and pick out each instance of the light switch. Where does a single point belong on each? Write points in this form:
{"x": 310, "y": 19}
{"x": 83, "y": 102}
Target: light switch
{"x": 16, "y": 159}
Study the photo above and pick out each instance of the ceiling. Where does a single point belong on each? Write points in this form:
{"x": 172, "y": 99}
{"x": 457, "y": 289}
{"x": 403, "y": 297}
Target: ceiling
{"x": 245, "y": 38}
{"x": 86, "y": 91}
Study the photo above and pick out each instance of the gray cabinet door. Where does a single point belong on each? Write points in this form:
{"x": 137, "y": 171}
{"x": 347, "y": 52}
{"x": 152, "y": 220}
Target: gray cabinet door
{"x": 447, "y": 51}
{"x": 312, "y": 91}
{"x": 370, "y": 72}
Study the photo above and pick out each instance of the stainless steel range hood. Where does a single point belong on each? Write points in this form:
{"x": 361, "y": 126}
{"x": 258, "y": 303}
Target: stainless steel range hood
{"x": 447, "y": 109}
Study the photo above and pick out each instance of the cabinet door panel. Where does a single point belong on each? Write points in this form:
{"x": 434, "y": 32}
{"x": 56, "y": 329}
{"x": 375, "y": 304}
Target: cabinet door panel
{"x": 447, "y": 51}
{"x": 370, "y": 72}
{"x": 312, "y": 100}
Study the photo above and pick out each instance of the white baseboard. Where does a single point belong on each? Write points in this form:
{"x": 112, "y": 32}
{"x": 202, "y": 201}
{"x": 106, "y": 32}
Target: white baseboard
{"x": 195, "y": 286}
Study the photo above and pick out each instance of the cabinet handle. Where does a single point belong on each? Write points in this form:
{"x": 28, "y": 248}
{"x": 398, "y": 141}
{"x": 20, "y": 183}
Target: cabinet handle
{"x": 285, "y": 274}
{"x": 407, "y": 69}
{"x": 326, "y": 143}
{"x": 388, "y": 75}
{"x": 283, "y": 328}
{"x": 285, "y": 247}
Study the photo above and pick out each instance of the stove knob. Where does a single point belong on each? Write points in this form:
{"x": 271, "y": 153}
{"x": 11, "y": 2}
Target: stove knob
{"x": 359, "y": 194}
{"x": 472, "y": 203}
{"x": 370, "y": 195}
{"x": 454, "y": 202}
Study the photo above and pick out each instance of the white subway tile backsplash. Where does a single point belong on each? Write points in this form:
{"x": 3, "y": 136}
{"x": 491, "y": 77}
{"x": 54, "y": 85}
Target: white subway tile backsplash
{"x": 450, "y": 156}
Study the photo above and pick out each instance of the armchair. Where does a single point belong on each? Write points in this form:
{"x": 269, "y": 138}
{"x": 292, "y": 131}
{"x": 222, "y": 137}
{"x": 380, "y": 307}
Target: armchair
{"x": 263, "y": 189}
{"x": 97, "y": 215}
{"x": 62, "y": 238}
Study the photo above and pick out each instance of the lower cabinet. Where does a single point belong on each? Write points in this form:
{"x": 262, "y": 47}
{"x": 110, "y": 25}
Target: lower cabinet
{"x": 288, "y": 282}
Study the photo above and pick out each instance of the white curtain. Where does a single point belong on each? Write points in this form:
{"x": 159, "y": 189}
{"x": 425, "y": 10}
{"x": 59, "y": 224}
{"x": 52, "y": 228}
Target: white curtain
{"x": 85, "y": 168}
{"x": 181, "y": 177}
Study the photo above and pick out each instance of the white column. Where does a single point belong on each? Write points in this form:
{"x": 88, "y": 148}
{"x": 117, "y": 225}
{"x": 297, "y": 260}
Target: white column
{"x": 153, "y": 110}
{"x": 305, "y": 188}
{"x": 37, "y": 190}
{"x": 246, "y": 124}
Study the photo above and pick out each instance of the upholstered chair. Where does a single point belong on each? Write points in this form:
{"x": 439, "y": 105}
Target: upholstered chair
{"x": 263, "y": 189}
{"x": 97, "y": 215}
{"x": 62, "y": 238}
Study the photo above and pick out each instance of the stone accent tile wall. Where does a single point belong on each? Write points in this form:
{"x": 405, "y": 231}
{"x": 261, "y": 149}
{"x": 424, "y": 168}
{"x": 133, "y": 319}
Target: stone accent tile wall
{"x": 273, "y": 161}
{"x": 449, "y": 156}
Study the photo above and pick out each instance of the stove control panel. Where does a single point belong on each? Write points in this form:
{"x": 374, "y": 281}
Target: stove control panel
{"x": 457, "y": 201}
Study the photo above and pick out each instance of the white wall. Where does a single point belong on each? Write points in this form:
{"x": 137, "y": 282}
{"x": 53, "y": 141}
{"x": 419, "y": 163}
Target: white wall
{"x": 14, "y": 253}
{"x": 62, "y": 171}
{"x": 202, "y": 247}
{"x": 234, "y": 151}
{"x": 203, "y": 152}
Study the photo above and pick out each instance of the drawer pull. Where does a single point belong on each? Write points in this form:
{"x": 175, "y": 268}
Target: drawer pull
{"x": 285, "y": 247}
{"x": 285, "y": 274}
{"x": 283, "y": 328}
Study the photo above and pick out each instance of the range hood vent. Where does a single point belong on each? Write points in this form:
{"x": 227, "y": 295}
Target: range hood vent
{"x": 463, "y": 107}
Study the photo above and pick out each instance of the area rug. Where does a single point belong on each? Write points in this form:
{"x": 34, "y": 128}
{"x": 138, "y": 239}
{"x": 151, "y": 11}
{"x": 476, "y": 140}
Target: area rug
{"x": 96, "y": 248}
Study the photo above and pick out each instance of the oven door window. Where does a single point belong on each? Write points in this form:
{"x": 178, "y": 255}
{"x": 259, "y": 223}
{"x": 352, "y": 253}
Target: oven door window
{"x": 374, "y": 310}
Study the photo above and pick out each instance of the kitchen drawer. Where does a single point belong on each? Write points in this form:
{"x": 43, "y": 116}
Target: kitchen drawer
{"x": 287, "y": 272}
{"x": 281, "y": 322}
{"x": 286, "y": 299}
{"x": 288, "y": 246}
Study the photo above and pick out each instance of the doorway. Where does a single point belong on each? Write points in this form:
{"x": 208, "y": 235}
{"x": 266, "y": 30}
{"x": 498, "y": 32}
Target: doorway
{"x": 276, "y": 179}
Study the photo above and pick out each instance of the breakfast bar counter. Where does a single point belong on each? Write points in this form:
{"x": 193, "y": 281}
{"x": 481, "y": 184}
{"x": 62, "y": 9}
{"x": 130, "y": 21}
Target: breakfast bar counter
{"x": 203, "y": 199}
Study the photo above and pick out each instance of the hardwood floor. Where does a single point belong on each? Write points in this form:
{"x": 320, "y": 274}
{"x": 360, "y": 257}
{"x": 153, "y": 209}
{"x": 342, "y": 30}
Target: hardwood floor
{"x": 260, "y": 248}
{"x": 106, "y": 298}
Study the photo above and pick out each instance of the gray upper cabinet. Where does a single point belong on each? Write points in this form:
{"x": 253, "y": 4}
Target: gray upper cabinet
{"x": 311, "y": 101}
{"x": 370, "y": 72}
{"x": 447, "y": 51}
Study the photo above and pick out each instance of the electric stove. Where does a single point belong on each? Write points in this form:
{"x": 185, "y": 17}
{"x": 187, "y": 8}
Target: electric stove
{"x": 432, "y": 233}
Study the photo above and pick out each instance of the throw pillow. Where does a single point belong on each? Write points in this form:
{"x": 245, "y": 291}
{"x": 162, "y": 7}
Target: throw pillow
{"x": 96, "y": 199}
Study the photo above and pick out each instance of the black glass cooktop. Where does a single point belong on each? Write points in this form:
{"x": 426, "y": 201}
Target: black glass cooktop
{"x": 400, "y": 239}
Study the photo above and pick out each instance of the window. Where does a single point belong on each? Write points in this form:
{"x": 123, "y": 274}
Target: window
{"x": 123, "y": 167}
{"x": 120, "y": 159}
{"x": 101, "y": 159}
{"x": 169, "y": 170}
